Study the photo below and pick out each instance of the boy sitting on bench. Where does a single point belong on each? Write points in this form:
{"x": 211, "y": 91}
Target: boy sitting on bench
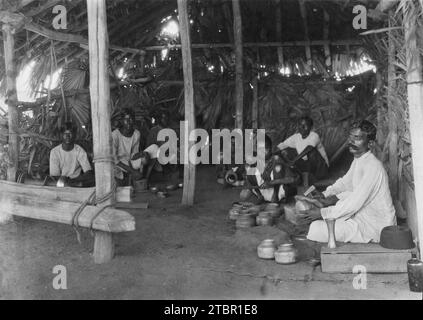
{"x": 69, "y": 162}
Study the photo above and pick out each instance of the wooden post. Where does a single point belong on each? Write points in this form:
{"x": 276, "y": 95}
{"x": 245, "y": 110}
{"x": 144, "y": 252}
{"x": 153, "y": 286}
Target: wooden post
{"x": 11, "y": 98}
{"x": 239, "y": 70}
{"x": 100, "y": 112}
{"x": 415, "y": 106}
{"x": 306, "y": 36}
{"x": 326, "y": 17}
{"x": 189, "y": 168}
{"x": 279, "y": 31}
{"x": 379, "y": 118}
{"x": 254, "y": 106}
{"x": 142, "y": 63}
{"x": 392, "y": 119}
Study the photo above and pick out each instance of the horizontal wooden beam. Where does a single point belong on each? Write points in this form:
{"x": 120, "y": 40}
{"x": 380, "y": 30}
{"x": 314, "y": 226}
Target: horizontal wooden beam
{"x": 77, "y": 195}
{"x": 19, "y": 20}
{"x": 17, "y": 5}
{"x": 350, "y": 42}
{"x": 109, "y": 220}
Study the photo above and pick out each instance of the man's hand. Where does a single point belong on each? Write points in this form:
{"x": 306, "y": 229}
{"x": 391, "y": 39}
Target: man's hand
{"x": 290, "y": 163}
{"x": 308, "y": 216}
{"x": 316, "y": 194}
{"x": 266, "y": 185}
{"x": 329, "y": 201}
{"x": 136, "y": 175}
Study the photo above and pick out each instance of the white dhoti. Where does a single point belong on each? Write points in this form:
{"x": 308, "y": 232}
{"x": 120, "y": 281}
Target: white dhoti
{"x": 345, "y": 231}
{"x": 268, "y": 193}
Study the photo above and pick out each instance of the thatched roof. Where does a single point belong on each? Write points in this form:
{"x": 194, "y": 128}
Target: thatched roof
{"x": 134, "y": 27}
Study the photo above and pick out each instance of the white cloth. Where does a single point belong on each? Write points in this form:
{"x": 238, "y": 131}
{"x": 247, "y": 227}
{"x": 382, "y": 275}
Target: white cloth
{"x": 268, "y": 193}
{"x": 68, "y": 163}
{"x": 364, "y": 207}
{"x": 124, "y": 148}
{"x": 152, "y": 151}
{"x": 297, "y": 142}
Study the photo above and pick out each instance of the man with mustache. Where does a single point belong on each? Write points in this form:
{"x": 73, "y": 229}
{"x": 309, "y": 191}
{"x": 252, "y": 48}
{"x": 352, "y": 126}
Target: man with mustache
{"x": 360, "y": 201}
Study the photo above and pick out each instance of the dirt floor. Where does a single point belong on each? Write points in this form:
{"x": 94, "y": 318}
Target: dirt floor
{"x": 175, "y": 253}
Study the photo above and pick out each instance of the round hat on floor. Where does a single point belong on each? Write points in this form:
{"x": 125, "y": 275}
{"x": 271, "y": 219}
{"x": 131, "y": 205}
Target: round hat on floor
{"x": 396, "y": 237}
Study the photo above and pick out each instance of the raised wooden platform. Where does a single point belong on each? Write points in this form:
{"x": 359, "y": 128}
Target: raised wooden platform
{"x": 372, "y": 256}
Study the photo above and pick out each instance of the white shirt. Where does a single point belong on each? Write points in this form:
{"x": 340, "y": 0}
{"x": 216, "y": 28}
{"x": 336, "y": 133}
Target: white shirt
{"x": 68, "y": 163}
{"x": 297, "y": 142}
{"x": 364, "y": 197}
{"x": 124, "y": 148}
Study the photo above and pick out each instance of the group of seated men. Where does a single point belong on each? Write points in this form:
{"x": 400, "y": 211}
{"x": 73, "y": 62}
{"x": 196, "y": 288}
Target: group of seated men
{"x": 360, "y": 201}
{"x": 69, "y": 161}
{"x": 300, "y": 155}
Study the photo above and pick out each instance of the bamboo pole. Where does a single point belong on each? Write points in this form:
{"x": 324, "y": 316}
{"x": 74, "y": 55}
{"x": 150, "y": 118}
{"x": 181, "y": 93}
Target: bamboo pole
{"x": 189, "y": 168}
{"x": 255, "y": 103}
{"x": 239, "y": 72}
{"x": 279, "y": 31}
{"x": 392, "y": 120}
{"x": 306, "y": 34}
{"x": 264, "y": 44}
{"x": 415, "y": 106}
{"x": 12, "y": 109}
{"x": 326, "y": 17}
{"x": 101, "y": 120}
{"x": 11, "y": 99}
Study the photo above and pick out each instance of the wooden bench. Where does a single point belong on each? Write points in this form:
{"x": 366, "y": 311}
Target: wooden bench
{"x": 60, "y": 205}
{"x": 372, "y": 256}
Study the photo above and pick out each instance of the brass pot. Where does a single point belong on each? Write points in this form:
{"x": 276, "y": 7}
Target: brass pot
{"x": 266, "y": 249}
{"x": 286, "y": 254}
{"x": 264, "y": 219}
{"x": 245, "y": 221}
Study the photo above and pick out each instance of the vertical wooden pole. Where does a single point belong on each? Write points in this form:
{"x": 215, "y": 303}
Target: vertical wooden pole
{"x": 239, "y": 70}
{"x": 392, "y": 118}
{"x": 415, "y": 106}
{"x": 306, "y": 35}
{"x": 254, "y": 106}
{"x": 279, "y": 31}
{"x": 379, "y": 118}
{"x": 328, "y": 60}
{"x": 189, "y": 168}
{"x": 11, "y": 98}
{"x": 142, "y": 63}
{"x": 100, "y": 112}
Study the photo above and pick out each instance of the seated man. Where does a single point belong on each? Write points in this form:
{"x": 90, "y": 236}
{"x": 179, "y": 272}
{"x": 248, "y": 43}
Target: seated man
{"x": 69, "y": 162}
{"x": 130, "y": 163}
{"x": 360, "y": 201}
{"x": 276, "y": 182}
{"x": 169, "y": 170}
{"x": 309, "y": 154}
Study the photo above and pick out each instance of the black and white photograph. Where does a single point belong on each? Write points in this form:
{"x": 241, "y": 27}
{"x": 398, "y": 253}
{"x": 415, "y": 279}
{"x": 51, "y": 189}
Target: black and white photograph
{"x": 214, "y": 156}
